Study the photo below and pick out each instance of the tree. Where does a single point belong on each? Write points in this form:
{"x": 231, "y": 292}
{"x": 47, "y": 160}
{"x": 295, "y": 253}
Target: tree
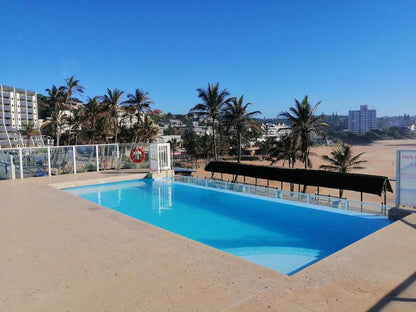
{"x": 192, "y": 143}
{"x": 72, "y": 87}
{"x": 169, "y": 131}
{"x": 174, "y": 145}
{"x": 56, "y": 102}
{"x": 213, "y": 100}
{"x": 342, "y": 160}
{"x": 103, "y": 129}
{"x": 43, "y": 106}
{"x": 129, "y": 112}
{"x": 237, "y": 117}
{"x": 29, "y": 131}
{"x": 141, "y": 102}
{"x": 74, "y": 121}
{"x": 112, "y": 101}
{"x": 304, "y": 123}
{"x": 93, "y": 110}
{"x": 287, "y": 149}
{"x": 266, "y": 147}
{"x": 146, "y": 131}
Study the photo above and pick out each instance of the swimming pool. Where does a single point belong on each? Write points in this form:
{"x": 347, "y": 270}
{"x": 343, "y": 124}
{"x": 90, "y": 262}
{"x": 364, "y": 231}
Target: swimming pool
{"x": 280, "y": 235}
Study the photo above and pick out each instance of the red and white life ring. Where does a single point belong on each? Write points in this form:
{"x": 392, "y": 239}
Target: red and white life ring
{"x": 137, "y": 152}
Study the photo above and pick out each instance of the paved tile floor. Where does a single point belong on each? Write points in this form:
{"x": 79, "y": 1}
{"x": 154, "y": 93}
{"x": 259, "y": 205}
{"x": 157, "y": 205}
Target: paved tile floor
{"x": 62, "y": 253}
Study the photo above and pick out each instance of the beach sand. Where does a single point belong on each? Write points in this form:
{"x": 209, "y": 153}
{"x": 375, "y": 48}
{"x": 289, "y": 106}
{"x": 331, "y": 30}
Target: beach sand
{"x": 381, "y": 160}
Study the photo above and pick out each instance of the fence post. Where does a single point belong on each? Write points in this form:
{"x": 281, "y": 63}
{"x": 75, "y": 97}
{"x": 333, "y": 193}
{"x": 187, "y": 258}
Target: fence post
{"x": 49, "y": 161}
{"x": 12, "y": 171}
{"x": 97, "y": 159}
{"x": 74, "y": 159}
{"x": 118, "y": 156}
{"x": 21, "y": 163}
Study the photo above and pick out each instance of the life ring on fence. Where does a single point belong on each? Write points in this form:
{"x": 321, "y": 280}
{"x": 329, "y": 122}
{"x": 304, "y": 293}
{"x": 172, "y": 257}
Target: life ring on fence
{"x": 137, "y": 151}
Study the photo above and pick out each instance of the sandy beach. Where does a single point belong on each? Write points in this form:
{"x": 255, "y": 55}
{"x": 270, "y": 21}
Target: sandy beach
{"x": 380, "y": 157}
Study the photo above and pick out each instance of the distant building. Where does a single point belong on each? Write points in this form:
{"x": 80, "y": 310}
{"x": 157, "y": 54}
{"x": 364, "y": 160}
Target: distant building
{"x": 201, "y": 130}
{"x": 18, "y": 107}
{"x": 361, "y": 121}
{"x": 274, "y": 131}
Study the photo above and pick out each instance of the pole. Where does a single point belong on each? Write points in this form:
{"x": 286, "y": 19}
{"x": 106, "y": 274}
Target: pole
{"x": 74, "y": 160}
{"x": 21, "y": 163}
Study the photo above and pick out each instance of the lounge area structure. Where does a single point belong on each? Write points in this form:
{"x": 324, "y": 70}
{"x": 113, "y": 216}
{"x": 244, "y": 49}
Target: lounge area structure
{"x": 362, "y": 183}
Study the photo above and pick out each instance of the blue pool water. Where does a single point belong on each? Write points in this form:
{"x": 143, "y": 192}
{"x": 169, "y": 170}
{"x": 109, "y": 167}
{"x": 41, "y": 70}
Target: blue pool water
{"x": 279, "y": 235}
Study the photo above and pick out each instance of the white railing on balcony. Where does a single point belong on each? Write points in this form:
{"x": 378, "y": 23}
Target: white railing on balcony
{"x": 20, "y": 163}
{"x": 313, "y": 199}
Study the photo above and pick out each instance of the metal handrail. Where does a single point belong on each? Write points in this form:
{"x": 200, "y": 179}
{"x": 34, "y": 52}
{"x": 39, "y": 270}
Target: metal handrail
{"x": 311, "y": 199}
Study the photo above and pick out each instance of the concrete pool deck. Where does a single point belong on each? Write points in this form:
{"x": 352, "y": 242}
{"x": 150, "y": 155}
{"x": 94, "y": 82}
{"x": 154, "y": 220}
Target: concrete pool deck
{"x": 63, "y": 253}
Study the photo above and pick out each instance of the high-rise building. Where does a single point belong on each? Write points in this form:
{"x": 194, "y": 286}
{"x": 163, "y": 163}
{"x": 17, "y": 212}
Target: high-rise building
{"x": 18, "y": 107}
{"x": 361, "y": 121}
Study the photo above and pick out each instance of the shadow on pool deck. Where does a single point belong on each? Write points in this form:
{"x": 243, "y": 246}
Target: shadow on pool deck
{"x": 403, "y": 297}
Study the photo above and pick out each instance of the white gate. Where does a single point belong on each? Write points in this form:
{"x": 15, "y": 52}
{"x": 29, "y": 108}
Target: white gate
{"x": 159, "y": 156}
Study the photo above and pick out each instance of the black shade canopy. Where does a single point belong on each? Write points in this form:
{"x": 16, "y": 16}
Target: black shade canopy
{"x": 365, "y": 183}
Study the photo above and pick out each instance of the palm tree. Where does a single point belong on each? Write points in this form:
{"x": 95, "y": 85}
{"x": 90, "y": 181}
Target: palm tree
{"x": 93, "y": 109}
{"x": 146, "y": 131}
{"x": 112, "y": 101}
{"x": 212, "y": 102}
{"x": 29, "y": 131}
{"x": 304, "y": 123}
{"x": 342, "y": 160}
{"x": 103, "y": 129}
{"x": 174, "y": 145}
{"x": 56, "y": 101}
{"x": 266, "y": 147}
{"x": 237, "y": 117}
{"x": 287, "y": 149}
{"x": 192, "y": 143}
{"x": 128, "y": 114}
{"x": 72, "y": 87}
{"x": 74, "y": 121}
{"x": 141, "y": 102}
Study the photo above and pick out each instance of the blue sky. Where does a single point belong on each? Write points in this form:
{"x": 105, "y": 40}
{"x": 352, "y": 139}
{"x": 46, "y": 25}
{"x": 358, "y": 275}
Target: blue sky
{"x": 343, "y": 53}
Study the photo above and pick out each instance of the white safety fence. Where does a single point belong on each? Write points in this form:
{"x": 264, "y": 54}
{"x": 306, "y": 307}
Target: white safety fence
{"x": 320, "y": 200}
{"x": 20, "y": 163}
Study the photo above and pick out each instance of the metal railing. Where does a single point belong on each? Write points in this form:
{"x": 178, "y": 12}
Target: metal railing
{"x": 313, "y": 199}
{"x": 24, "y": 162}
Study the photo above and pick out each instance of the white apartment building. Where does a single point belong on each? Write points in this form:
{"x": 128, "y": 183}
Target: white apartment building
{"x": 361, "y": 121}
{"x": 18, "y": 107}
{"x": 275, "y": 131}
